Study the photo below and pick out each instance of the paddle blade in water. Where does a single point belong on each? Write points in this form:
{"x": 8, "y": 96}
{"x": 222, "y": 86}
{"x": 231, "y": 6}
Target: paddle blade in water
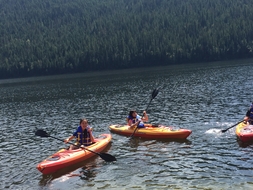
{"x": 41, "y": 133}
{"x": 224, "y": 130}
{"x": 107, "y": 157}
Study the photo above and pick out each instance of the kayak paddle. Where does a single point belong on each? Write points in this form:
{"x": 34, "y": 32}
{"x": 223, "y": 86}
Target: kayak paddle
{"x": 224, "y": 130}
{"x": 104, "y": 156}
{"x": 154, "y": 94}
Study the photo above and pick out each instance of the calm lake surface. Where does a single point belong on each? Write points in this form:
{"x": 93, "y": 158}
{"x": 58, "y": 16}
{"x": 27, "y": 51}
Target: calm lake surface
{"x": 204, "y": 98}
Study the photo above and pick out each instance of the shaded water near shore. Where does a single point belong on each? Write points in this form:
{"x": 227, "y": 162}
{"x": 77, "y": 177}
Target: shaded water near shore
{"x": 201, "y": 97}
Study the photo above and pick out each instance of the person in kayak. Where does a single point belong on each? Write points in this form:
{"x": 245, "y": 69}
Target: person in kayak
{"x": 134, "y": 119}
{"x": 83, "y": 135}
{"x": 249, "y": 116}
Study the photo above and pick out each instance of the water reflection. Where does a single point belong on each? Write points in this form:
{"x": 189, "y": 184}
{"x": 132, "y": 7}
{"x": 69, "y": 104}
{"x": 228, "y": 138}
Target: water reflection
{"x": 87, "y": 172}
{"x": 136, "y": 141}
{"x": 245, "y": 144}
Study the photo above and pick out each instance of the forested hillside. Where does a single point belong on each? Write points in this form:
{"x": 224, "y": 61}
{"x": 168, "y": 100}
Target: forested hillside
{"x": 40, "y": 37}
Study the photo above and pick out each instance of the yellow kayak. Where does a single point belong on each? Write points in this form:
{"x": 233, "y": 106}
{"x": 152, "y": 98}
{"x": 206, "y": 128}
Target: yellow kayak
{"x": 152, "y": 132}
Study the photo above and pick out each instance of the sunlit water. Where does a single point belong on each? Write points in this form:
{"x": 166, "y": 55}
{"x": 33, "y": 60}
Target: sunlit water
{"x": 204, "y": 98}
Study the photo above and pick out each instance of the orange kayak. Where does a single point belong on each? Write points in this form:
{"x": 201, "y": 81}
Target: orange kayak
{"x": 64, "y": 158}
{"x": 244, "y": 132}
{"x": 151, "y": 132}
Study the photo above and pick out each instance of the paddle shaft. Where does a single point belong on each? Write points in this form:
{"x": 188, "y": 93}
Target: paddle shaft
{"x": 141, "y": 117}
{"x": 76, "y": 145}
{"x": 224, "y": 130}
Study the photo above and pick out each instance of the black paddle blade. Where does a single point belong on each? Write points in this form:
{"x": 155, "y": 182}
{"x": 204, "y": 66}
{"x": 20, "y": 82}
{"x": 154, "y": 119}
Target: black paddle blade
{"x": 41, "y": 133}
{"x": 107, "y": 157}
{"x": 154, "y": 93}
{"x": 224, "y": 130}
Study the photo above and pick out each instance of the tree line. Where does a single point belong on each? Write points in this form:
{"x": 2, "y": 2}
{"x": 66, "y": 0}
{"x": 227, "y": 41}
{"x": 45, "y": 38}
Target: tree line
{"x": 62, "y": 36}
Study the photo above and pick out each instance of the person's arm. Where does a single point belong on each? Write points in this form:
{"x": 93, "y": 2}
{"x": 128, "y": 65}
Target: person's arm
{"x": 246, "y": 118}
{"x": 129, "y": 122}
{"x": 145, "y": 117}
{"x": 91, "y": 135}
{"x": 248, "y": 113}
{"x": 69, "y": 139}
{"x": 136, "y": 123}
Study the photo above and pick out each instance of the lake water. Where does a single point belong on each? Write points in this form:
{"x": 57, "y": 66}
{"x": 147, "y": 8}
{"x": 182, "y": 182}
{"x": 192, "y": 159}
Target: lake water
{"x": 204, "y": 98}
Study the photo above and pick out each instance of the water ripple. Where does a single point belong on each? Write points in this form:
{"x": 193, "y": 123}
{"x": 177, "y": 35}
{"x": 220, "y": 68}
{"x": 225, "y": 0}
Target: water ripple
{"x": 204, "y": 99}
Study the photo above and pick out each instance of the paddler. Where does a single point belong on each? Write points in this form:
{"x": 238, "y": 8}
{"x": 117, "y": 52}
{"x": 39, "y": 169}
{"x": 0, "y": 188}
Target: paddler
{"x": 134, "y": 119}
{"x": 83, "y": 135}
{"x": 249, "y": 115}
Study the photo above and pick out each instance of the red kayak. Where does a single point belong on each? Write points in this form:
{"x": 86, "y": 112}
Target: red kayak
{"x": 244, "y": 132}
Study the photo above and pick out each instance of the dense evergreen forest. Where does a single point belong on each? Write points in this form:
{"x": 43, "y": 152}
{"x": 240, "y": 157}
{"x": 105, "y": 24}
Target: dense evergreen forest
{"x": 41, "y": 37}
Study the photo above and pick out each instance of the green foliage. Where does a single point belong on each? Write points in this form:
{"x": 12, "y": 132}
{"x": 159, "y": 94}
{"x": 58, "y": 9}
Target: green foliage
{"x": 61, "y": 36}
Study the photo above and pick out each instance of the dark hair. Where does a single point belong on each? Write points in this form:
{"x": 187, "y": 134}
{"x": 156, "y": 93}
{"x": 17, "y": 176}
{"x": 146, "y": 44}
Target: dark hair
{"x": 81, "y": 120}
{"x": 131, "y": 113}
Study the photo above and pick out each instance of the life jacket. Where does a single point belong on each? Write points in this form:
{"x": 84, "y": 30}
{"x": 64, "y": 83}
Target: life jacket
{"x": 134, "y": 120}
{"x": 251, "y": 113}
{"x": 82, "y": 137}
